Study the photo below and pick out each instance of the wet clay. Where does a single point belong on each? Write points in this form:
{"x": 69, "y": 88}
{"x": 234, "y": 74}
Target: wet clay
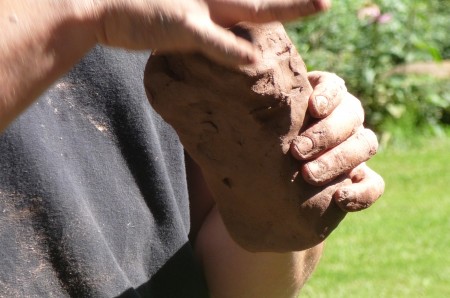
{"x": 237, "y": 124}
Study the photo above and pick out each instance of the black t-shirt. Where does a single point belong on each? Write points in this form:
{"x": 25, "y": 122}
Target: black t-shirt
{"x": 93, "y": 195}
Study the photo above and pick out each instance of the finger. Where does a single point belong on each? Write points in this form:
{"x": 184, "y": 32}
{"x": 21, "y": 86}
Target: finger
{"x": 366, "y": 189}
{"x": 230, "y": 12}
{"x": 329, "y": 89}
{"x": 341, "y": 159}
{"x": 330, "y": 131}
{"x": 219, "y": 44}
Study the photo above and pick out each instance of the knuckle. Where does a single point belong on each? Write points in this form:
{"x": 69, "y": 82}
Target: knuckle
{"x": 336, "y": 78}
{"x": 322, "y": 135}
{"x": 327, "y": 74}
{"x": 352, "y": 99}
{"x": 338, "y": 81}
{"x": 323, "y": 76}
{"x": 341, "y": 161}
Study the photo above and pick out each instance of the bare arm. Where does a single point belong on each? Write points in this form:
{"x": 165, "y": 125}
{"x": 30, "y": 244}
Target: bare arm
{"x": 40, "y": 41}
{"x": 232, "y": 271}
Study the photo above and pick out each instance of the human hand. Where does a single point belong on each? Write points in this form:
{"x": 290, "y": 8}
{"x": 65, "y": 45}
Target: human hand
{"x": 241, "y": 126}
{"x": 337, "y": 143}
{"x": 191, "y": 25}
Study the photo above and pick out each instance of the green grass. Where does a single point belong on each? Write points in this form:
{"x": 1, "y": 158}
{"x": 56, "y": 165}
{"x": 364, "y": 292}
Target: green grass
{"x": 400, "y": 247}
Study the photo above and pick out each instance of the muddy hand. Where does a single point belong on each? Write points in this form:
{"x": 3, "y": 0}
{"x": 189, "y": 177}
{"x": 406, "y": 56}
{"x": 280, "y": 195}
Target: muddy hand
{"x": 338, "y": 142}
{"x": 189, "y": 25}
{"x": 367, "y": 186}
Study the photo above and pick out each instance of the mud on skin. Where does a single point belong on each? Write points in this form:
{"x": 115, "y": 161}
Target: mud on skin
{"x": 238, "y": 125}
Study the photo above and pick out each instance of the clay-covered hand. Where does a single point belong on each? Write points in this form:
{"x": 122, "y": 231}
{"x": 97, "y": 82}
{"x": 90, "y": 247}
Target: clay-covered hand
{"x": 367, "y": 186}
{"x": 239, "y": 124}
{"x": 337, "y": 143}
{"x": 190, "y": 25}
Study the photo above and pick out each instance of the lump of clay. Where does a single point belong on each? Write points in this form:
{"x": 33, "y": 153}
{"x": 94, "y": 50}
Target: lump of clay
{"x": 238, "y": 126}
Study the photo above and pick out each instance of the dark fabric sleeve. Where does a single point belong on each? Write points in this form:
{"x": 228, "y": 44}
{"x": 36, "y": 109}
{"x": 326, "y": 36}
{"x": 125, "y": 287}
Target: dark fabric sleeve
{"x": 93, "y": 194}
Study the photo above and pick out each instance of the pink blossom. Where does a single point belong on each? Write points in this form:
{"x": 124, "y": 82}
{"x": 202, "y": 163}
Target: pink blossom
{"x": 384, "y": 18}
{"x": 370, "y": 13}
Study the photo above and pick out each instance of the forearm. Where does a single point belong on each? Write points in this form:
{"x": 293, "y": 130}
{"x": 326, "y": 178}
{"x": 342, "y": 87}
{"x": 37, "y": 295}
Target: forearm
{"x": 234, "y": 272}
{"x": 40, "y": 41}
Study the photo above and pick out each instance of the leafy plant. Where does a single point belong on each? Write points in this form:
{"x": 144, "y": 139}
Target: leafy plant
{"x": 363, "y": 41}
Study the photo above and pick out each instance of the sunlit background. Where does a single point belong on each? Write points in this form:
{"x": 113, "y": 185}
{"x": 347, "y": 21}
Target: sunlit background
{"x": 395, "y": 57}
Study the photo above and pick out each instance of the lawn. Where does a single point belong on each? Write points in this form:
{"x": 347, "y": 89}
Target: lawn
{"x": 400, "y": 247}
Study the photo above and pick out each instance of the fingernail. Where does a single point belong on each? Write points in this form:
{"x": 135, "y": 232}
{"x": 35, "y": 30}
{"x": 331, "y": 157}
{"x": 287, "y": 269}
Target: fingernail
{"x": 315, "y": 172}
{"x": 304, "y": 145}
{"x": 321, "y": 103}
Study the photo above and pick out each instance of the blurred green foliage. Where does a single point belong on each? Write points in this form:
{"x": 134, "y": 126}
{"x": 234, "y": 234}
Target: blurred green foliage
{"x": 399, "y": 247}
{"x": 363, "y": 41}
